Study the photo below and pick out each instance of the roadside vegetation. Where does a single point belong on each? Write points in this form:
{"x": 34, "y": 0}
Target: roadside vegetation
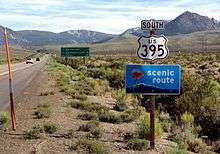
{"x": 85, "y": 109}
{"x": 183, "y": 119}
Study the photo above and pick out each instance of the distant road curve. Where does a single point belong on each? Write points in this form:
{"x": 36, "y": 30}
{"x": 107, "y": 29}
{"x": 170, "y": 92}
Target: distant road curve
{"x": 23, "y": 74}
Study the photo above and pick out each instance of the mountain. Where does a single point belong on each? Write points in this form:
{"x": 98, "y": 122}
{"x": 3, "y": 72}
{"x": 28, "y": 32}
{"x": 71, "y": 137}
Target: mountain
{"x": 35, "y": 38}
{"x": 84, "y": 36}
{"x": 184, "y": 24}
{"x": 188, "y": 23}
{"x": 13, "y": 37}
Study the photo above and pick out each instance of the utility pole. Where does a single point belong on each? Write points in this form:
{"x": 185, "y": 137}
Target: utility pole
{"x": 13, "y": 117}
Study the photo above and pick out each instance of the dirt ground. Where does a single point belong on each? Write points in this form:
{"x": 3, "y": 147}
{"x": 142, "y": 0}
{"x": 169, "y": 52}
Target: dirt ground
{"x": 62, "y": 115}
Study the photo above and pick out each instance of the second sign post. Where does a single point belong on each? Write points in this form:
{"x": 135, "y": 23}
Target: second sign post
{"x": 151, "y": 80}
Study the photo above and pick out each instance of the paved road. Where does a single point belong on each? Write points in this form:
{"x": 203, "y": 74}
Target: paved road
{"x": 23, "y": 74}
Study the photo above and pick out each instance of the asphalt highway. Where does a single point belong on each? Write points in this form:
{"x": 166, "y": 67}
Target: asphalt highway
{"x": 23, "y": 74}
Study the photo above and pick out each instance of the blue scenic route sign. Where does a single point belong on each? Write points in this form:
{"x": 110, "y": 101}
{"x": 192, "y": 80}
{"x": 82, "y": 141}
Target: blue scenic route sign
{"x": 153, "y": 79}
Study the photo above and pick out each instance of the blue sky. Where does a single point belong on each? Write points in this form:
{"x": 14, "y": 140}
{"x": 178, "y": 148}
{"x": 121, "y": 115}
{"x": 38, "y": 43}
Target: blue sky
{"x": 110, "y": 16}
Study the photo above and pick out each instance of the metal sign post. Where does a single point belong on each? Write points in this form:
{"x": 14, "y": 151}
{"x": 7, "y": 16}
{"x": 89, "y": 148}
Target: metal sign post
{"x": 152, "y": 112}
{"x": 151, "y": 79}
{"x": 13, "y": 117}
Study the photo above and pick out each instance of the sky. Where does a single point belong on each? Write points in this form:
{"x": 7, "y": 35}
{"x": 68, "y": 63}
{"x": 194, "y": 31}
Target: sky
{"x": 109, "y": 16}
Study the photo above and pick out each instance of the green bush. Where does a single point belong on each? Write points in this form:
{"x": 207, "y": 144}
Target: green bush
{"x": 80, "y": 97}
{"x": 143, "y": 129}
{"x": 176, "y": 150}
{"x": 165, "y": 121}
{"x": 120, "y": 106}
{"x": 130, "y": 115}
{"x": 45, "y": 105}
{"x": 93, "y": 146}
{"x": 187, "y": 119}
{"x": 88, "y": 116}
{"x": 129, "y": 136}
{"x": 93, "y": 128}
{"x": 110, "y": 117}
{"x": 34, "y": 133}
{"x": 138, "y": 144}
{"x": 70, "y": 134}
{"x": 89, "y": 126}
{"x": 181, "y": 136}
{"x": 50, "y": 128}
{"x": 42, "y": 112}
{"x": 198, "y": 97}
{"x": 88, "y": 106}
{"x": 196, "y": 145}
{"x": 115, "y": 78}
{"x": 4, "y": 119}
{"x": 95, "y": 133}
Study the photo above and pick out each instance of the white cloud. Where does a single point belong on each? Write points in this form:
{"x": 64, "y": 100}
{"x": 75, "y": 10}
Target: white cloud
{"x": 106, "y": 16}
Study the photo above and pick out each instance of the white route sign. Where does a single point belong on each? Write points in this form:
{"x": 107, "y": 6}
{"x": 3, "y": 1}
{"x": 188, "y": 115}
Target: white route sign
{"x": 152, "y": 24}
{"x": 152, "y": 48}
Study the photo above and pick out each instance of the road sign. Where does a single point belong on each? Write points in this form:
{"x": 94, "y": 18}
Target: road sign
{"x": 152, "y": 48}
{"x": 153, "y": 79}
{"x": 152, "y": 24}
{"x": 74, "y": 52}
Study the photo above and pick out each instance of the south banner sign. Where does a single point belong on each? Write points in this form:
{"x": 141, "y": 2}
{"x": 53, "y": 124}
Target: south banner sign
{"x": 152, "y": 24}
{"x": 153, "y": 79}
{"x": 152, "y": 48}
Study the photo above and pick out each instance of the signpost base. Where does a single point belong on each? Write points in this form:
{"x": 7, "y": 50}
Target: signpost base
{"x": 152, "y": 122}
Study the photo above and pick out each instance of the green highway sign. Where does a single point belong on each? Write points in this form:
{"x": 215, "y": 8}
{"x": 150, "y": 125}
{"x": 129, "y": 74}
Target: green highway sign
{"x": 74, "y": 52}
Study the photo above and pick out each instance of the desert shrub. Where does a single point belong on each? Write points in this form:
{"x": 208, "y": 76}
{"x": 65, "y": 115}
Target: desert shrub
{"x": 216, "y": 146}
{"x": 95, "y": 133}
{"x": 93, "y": 146}
{"x": 50, "y": 128}
{"x": 70, "y": 134}
{"x": 100, "y": 87}
{"x": 182, "y": 135}
{"x": 130, "y": 115}
{"x": 110, "y": 117}
{"x": 89, "y": 126}
{"x": 138, "y": 144}
{"x": 187, "y": 119}
{"x": 120, "y": 106}
{"x": 165, "y": 121}
{"x": 44, "y": 105}
{"x": 34, "y": 133}
{"x": 46, "y": 93}
{"x": 88, "y": 106}
{"x": 80, "y": 97}
{"x": 93, "y": 128}
{"x": 198, "y": 97}
{"x": 79, "y": 104}
{"x": 187, "y": 138}
{"x": 42, "y": 112}
{"x": 129, "y": 135}
{"x": 115, "y": 78}
{"x": 84, "y": 87}
{"x": 88, "y": 116}
{"x": 4, "y": 119}
{"x": 143, "y": 129}
{"x": 176, "y": 150}
{"x": 196, "y": 145}
{"x": 95, "y": 73}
